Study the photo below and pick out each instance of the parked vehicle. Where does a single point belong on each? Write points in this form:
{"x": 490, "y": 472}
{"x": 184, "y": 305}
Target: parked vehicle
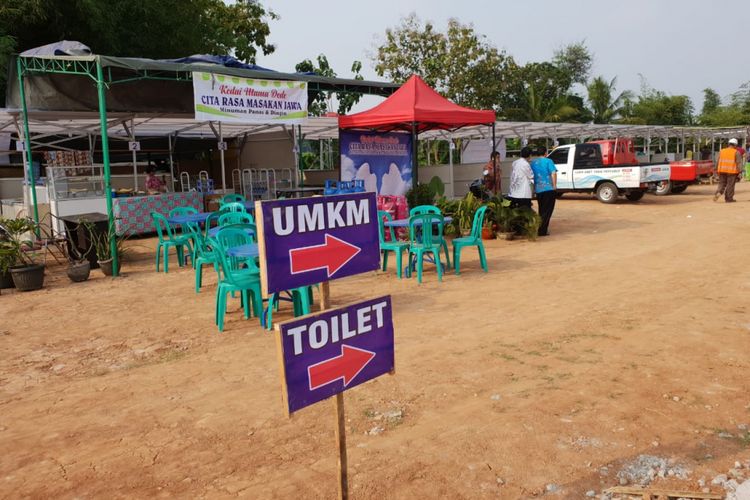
{"x": 581, "y": 168}
{"x": 683, "y": 173}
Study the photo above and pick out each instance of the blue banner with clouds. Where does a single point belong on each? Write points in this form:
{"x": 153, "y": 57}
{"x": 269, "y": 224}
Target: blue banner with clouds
{"x": 382, "y": 160}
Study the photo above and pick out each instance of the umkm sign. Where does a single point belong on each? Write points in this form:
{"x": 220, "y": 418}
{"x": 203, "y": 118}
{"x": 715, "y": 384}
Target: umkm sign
{"x": 311, "y": 240}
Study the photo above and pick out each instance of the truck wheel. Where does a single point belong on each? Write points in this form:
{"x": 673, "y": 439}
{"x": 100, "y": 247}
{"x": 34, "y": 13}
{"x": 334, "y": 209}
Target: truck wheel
{"x": 679, "y": 189}
{"x": 663, "y": 188}
{"x": 634, "y": 195}
{"x": 607, "y": 192}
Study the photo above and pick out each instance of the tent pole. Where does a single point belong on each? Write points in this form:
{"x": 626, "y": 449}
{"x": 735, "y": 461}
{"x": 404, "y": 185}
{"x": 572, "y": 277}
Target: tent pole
{"x": 495, "y": 167}
{"x": 221, "y": 156}
{"x": 27, "y": 143}
{"x": 415, "y": 155}
{"x": 300, "y": 170}
{"x": 135, "y": 159}
{"x": 451, "y": 145}
{"x": 105, "y": 159}
{"x": 171, "y": 162}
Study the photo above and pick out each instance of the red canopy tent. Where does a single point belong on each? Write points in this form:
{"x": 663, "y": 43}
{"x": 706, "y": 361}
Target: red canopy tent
{"x": 416, "y": 107}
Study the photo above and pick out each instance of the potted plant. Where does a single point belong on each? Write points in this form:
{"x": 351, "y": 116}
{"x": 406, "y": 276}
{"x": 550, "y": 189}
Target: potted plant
{"x": 17, "y": 254}
{"x": 488, "y": 230}
{"x": 103, "y": 247}
{"x": 527, "y": 223}
{"x": 502, "y": 216}
{"x": 79, "y": 267}
{"x": 464, "y": 217}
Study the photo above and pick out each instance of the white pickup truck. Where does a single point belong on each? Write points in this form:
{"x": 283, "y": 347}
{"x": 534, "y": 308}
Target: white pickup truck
{"x": 580, "y": 169}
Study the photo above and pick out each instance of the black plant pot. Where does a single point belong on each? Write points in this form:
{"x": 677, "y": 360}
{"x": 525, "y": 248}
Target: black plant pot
{"x": 6, "y": 280}
{"x": 79, "y": 271}
{"x": 106, "y": 266}
{"x": 28, "y": 278}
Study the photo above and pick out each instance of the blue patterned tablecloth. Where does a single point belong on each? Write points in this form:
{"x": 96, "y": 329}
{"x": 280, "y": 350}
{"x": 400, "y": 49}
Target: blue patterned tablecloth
{"x": 133, "y": 214}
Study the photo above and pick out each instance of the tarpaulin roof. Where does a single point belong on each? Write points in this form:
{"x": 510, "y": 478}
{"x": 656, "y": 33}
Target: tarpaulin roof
{"x": 137, "y": 85}
{"x": 417, "y": 103}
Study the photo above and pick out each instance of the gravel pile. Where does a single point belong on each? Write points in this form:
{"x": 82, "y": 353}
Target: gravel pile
{"x": 646, "y": 468}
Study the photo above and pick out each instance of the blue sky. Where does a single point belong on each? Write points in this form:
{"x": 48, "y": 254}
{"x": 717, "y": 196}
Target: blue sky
{"x": 680, "y": 47}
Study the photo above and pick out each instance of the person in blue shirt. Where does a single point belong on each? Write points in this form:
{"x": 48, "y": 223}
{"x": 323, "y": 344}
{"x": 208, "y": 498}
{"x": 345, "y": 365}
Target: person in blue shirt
{"x": 545, "y": 185}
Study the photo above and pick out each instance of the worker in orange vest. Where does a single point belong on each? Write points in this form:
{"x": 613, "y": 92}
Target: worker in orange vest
{"x": 728, "y": 168}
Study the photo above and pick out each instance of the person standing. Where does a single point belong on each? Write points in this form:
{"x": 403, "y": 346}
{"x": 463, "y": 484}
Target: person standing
{"x": 545, "y": 184}
{"x": 728, "y": 167}
{"x": 521, "y": 179}
{"x": 492, "y": 173}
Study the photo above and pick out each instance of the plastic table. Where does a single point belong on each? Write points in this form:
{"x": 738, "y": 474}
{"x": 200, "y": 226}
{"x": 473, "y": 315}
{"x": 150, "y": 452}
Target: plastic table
{"x": 249, "y": 251}
{"x": 214, "y": 230}
{"x": 405, "y": 222}
{"x": 185, "y": 219}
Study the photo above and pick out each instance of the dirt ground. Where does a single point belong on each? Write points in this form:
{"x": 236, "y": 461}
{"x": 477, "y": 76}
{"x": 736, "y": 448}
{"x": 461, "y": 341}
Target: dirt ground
{"x": 624, "y": 333}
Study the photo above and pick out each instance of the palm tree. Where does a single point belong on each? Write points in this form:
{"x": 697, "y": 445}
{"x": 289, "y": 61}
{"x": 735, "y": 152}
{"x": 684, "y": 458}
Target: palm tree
{"x": 605, "y": 109}
{"x": 536, "y": 108}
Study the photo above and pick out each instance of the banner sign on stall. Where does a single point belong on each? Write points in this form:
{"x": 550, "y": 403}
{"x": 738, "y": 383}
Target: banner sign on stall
{"x": 310, "y": 240}
{"x": 382, "y": 160}
{"x": 248, "y": 100}
{"x": 326, "y": 353}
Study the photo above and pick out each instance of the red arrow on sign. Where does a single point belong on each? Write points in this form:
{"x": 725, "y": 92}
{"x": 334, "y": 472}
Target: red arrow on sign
{"x": 347, "y": 366}
{"x": 331, "y": 255}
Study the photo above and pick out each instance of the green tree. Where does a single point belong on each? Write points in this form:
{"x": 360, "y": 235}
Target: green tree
{"x": 138, "y": 28}
{"x": 736, "y": 112}
{"x": 318, "y": 100}
{"x": 542, "y": 92}
{"x": 575, "y": 60}
{"x": 460, "y": 64}
{"x": 655, "y": 107}
{"x": 711, "y": 101}
{"x": 603, "y": 106}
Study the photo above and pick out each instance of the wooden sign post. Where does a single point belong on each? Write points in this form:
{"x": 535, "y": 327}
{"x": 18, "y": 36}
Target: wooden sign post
{"x": 338, "y": 401}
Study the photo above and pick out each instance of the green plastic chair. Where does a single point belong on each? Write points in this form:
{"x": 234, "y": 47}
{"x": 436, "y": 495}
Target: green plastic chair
{"x": 237, "y": 275}
{"x": 203, "y": 254}
{"x": 234, "y": 206}
{"x": 395, "y": 246}
{"x": 167, "y": 240}
{"x": 424, "y": 209}
{"x": 474, "y": 239}
{"x": 232, "y": 198}
{"x": 302, "y": 300}
{"x": 184, "y": 228}
{"x": 228, "y": 218}
{"x": 432, "y": 209}
{"x": 425, "y": 241}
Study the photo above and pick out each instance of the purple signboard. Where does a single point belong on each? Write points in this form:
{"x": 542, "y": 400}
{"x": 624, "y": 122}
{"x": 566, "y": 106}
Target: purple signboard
{"x": 310, "y": 240}
{"x": 329, "y": 352}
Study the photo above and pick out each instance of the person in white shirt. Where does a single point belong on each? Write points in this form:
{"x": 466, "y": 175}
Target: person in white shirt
{"x": 521, "y": 180}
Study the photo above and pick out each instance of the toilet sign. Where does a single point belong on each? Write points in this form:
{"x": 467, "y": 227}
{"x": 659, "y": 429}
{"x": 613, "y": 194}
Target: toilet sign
{"x": 329, "y": 352}
{"x": 311, "y": 240}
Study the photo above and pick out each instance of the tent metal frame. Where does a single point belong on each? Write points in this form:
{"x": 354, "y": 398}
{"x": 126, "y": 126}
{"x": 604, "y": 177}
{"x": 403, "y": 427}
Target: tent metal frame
{"x": 94, "y": 67}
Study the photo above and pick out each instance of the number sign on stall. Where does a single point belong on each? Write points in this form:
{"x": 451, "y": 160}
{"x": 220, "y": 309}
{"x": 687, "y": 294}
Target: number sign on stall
{"x": 311, "y": 240}
{"x": 329, "y": 352}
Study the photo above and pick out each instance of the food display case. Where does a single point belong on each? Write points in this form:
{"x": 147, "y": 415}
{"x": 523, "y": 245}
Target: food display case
{"x": 75, "y": 190}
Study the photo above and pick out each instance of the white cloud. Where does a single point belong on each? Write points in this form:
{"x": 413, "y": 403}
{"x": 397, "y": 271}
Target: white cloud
{"x": 371, "y": 180}
{"x": 392, "y": 183}
{"x": 348, "y": 171}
